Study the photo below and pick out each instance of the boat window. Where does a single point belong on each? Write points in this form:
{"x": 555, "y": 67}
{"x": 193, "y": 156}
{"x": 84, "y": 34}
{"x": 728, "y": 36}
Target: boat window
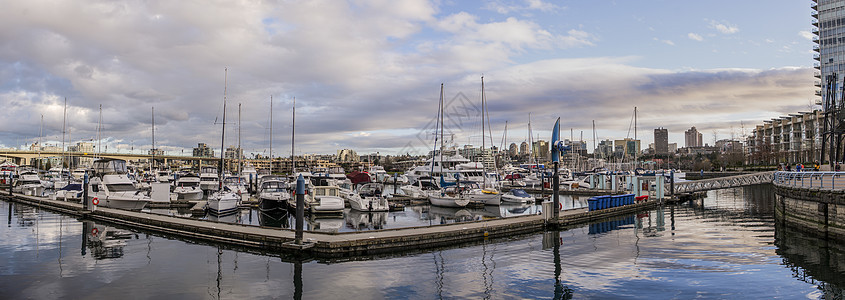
{"x": 121, "y": 187}
{"x": 189, "y": 184}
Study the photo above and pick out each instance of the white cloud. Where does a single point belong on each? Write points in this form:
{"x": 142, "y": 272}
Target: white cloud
{"x": 695, "y": 37}
{"x": 806, "y": 34}
{"x": 667, "y": 42}
{"x": 506, "y": 7}
{"x": 723, "y": 27}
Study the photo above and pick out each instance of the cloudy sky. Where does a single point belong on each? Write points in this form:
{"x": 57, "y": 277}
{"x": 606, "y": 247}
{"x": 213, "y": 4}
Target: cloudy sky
{"x": 366, "y": 74}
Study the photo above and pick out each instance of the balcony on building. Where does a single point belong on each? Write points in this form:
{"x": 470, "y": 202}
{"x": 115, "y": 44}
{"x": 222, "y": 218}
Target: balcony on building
{"x": 817, "y": 57}
{"x": 817, "y": 75}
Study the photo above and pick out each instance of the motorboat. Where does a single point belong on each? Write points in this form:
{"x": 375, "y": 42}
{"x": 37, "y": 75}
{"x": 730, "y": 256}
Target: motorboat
{"x": 369, "y": 198}
{"x": 28, "y": 183}
{"x": 237, "y": 185}
{"x": 187, "y": 187}
{"x": 70, "y": 192}
{"x": 517, "y": 196}
{"x": 419, "y": 189}
{"x": 209, "y": 179}
{"x": 111, "y": 187}
{"x": 321, "y": 199}
{"x": 486, "y": 195}
{"x": 273, "y": 195}
{"x": 223, "y": 202}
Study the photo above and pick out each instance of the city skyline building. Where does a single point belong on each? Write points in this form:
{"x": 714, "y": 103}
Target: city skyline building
{"x": 661, "y": 140}
{"x": 693, "y": 138}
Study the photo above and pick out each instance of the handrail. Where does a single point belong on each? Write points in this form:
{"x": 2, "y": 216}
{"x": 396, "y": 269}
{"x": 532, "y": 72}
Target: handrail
{"x": 821, "y": 180}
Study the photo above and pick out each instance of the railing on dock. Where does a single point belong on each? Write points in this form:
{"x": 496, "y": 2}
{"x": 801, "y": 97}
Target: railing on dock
{"x": 819, "y": 180}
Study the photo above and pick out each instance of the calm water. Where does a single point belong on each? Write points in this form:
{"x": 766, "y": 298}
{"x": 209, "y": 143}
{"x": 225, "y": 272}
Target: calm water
{"x": 727, "y": 245}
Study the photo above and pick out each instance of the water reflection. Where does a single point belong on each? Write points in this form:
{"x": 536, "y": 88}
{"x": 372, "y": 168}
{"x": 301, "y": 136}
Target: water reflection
{"x": 812, "y": 259}
{"x": 103, "y": 241}
{"x": 700, "y": 249}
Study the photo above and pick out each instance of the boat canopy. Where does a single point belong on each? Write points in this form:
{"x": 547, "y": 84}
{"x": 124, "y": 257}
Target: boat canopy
{"x": 520, "y": 193}
{"x": 110, "y": 166}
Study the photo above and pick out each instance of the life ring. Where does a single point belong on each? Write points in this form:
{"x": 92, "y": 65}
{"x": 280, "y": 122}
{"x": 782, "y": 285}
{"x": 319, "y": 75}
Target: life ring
{"x": 95, "y": 201}
{"x": 95, "y": 231}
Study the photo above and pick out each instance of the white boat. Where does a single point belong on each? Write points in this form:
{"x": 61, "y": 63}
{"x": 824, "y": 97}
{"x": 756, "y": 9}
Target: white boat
{"x": 369, "y": 198}
{"x": 323, "y": 199}
{"x": 163, "y": 176}
{"x": 223, "y": 202}
{"x": 273, "y": 195}
{"x": 28, "y": 183}
{"x": 488, "y": 196}
{"x": 113, "y": 189}
{"x": 448, "y": 197}
{"x": 70, "y": 192}
{"x": 187, "y": 187}
{"x": 209, "y": 179}
{"x": 237, "y": 185}
{"x": 78, "y": 174}
{"x": 517, "y": 196}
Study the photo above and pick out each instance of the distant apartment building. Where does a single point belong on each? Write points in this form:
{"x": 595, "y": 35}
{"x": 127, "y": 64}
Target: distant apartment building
{"x": 202, "y": 150}
{"x": 626, "y": 147}
{"x": 693, "y": 138}
{"x": 661, "y": 141}
{"x": 347, "y": 155}
{"x": 513, "y": 150}
{"x": 523, "y": 148}
{"x": 604, "y": 149}
{"x": 788, "y": 139}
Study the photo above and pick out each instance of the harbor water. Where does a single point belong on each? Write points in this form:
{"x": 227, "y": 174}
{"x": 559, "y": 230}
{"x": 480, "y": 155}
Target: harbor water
{"x": 726, "y": 245}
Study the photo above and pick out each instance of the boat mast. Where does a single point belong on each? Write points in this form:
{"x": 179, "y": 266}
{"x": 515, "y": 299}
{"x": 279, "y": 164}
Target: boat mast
{"x": 223, "y": 133}
{"x": 636, "y": 149}
{"x": 64, "y": 126}
{"x": 99, "y": 128}
{"x": 530, "y": 144}
{"x": 239, "y": 140}
{"x": 40, "y": 134}
{"x": 292, "y": 139}
{"x": 483, "y": 144}
{"x": 271, "y": 134}
{"x": 152, "y": 164}
{"x": 594, "y": 139}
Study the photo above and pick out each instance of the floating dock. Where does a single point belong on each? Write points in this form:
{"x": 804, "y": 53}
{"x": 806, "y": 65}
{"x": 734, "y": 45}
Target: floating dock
{"x": 321, "y": 244}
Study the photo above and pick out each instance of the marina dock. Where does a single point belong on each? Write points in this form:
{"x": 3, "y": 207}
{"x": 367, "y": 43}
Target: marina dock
{"x": 321, "y": 244}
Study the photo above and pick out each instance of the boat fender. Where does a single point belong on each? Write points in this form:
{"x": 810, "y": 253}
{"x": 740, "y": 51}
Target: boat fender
{"x": 95, "y": 231}
{"x": 561, "y": 205}
{"x": 95, "y": 201}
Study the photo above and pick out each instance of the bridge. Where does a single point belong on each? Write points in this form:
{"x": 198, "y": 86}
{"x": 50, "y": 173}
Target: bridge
{"x": 724, "y": 182}
{"x": 26, "y": 157}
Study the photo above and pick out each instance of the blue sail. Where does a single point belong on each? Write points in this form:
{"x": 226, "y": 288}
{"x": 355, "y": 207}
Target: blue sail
{"x": 555, "y": 138}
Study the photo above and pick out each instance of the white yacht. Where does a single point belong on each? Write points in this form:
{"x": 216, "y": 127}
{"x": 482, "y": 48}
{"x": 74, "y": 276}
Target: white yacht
{"x": 369, "y": 198}
{"x": 517, "y": 196}
{"x": 237, "y": 185}
{"x": 321, "y": 199}
{"x": 187, "y": 187}
{"x": 113, "y": 189}
{"x": 28, "y": 183}
{"x": 223, "y": 202}
{"x": 447, "y": 166}
{"x": 209, "y": 179}
{"x": 273, "y": 194}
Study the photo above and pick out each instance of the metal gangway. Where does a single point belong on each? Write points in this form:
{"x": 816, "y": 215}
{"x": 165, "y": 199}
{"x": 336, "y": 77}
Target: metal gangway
{"x": 724, "y": 182}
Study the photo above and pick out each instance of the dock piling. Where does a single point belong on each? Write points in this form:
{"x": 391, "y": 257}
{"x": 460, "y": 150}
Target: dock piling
{"x": 300, "y": 208}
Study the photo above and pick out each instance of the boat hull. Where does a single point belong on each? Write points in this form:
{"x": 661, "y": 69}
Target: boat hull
{"x": 516, "y": 199}
{"x": 223, "y": 204}
{"x": 487, "y": 199}
{"x": 448, "y": 201}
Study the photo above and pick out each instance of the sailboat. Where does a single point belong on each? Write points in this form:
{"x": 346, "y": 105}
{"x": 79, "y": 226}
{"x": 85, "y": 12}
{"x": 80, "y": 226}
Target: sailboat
{"x": 486, "y": 193}
{"x": 449, "y": 195}
{"x": 223, "y": 201}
